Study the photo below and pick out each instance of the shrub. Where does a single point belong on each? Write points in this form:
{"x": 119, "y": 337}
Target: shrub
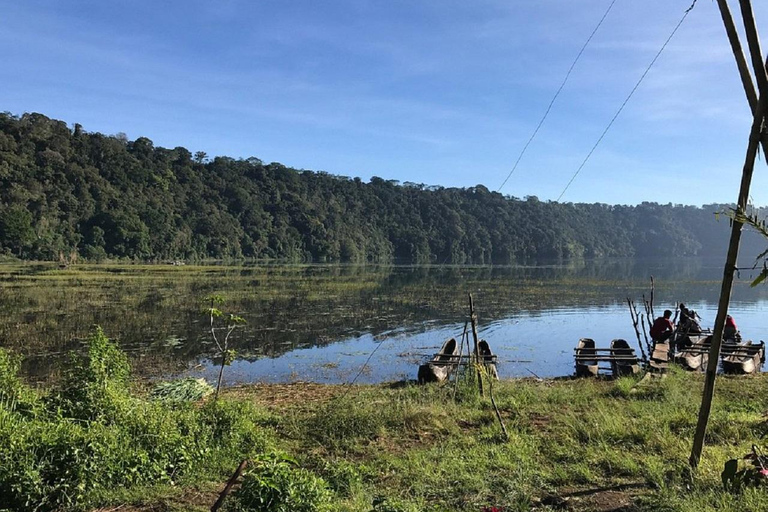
{"x": 277, "y": 485}
{"x": 13, "y": 393}
{"x": 95, "y": 384}
{"x": 93, "y": 436}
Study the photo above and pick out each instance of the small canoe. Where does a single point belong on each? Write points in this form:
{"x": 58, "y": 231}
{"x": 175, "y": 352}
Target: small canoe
{"x": 693, "y": 352}
{"x": 487, "y": 358}
{"x": 624, "y": 360}
{"x": 441, "y": 365}
{"x": 586, "y": 358}
{"x": 743, "y": 358}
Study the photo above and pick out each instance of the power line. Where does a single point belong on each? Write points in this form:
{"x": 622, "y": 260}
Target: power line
{"x": 674, "y": 31}
{"x": 546, "y": 113}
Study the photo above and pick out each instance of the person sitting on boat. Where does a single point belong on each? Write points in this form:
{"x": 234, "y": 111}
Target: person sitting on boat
{"x": 662, "y": 327}
{"x": 731, "y": 332}
{"x": 688, "y": 322}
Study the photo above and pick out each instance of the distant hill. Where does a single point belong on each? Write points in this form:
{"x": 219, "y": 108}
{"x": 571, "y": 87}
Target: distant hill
{"x": 68, "y": 191}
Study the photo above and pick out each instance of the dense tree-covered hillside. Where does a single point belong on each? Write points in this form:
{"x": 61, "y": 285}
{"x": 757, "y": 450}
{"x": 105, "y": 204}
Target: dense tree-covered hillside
{"x": 66, "y": 190}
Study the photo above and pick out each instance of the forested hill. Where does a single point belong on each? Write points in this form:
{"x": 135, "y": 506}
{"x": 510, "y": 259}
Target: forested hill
{"x": 65, "y": 190}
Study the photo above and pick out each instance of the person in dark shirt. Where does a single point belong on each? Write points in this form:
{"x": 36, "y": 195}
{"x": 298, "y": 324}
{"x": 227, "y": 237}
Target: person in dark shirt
{"x": 662, "y": 327}
{"x": 688, "y": 322}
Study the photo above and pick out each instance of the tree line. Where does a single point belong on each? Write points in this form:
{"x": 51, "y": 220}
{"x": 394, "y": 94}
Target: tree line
{"x": 68, "y": 191}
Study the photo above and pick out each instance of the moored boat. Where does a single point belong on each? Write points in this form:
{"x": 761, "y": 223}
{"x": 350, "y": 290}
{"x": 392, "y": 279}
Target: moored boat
{"x": 623, "y": 359}
{"x": 586, "y": 358}
{"x": 442, "y": 363}
{"x": 743, "y": 358}
{"x": 487, "y": 358}
{"x": 693, "y": 351}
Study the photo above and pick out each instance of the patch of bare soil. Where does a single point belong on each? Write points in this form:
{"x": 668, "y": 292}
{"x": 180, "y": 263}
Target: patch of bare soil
{"x": 603, "y": 499}
{"x": 279, "y": 396}
{"x": 188, "y": 499}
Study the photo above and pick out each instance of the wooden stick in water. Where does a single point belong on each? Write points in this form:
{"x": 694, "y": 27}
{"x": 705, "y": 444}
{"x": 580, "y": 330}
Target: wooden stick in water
{"x": 458, "y": 365}
{"x": 473, "y": 319}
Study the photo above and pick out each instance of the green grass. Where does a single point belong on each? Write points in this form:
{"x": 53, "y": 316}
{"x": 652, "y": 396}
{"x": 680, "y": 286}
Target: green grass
{"x": 93, "y": 442}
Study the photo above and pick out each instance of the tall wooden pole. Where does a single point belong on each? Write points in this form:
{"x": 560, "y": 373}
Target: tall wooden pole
{"x": 757, "y": 136}
{"x": 753, "y": 41}
{"x": 741, "y": 60}
{"x": 473, "y": 319}
{"x": 725, "y": 290}
{"x": 738, "y": 53}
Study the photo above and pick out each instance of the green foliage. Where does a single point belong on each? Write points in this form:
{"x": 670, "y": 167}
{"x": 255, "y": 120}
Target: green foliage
{"x": 96, "y": 383}
{"x": 92, "y": 436}
{"x": 12, "y": 390}
{"x": 181, "y": 390}
{"x": 275, "y": 484}
{"x": 107, "y": 197}
{"x": 382, "y": 504}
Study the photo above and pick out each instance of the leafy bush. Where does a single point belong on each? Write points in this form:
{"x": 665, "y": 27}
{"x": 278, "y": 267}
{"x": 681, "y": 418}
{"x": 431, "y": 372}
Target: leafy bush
{"x": 277, "y": 485}
{"x": 13, "y": 393}
{"x": 96, "y": 384}
{"x": 92, "y": 436}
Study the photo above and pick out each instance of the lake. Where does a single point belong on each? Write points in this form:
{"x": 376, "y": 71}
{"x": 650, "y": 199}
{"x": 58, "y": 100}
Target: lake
{"x": 321, "y": 323}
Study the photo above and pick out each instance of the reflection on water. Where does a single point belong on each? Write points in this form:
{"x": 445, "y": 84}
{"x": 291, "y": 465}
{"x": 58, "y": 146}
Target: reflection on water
{"x": 320, "y": 323}
{"x": 527, "y": 344}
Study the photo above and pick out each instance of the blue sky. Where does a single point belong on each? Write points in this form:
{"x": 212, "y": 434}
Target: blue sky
{"x": 440, "y": 92}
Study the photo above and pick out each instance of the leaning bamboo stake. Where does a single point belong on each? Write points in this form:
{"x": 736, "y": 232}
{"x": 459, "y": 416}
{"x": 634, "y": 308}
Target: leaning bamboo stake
{"x": 458, "y": 366}
{"x": 473, "y": 319}
{"x": 219, "y": 502}
{"x": 496, "y": 408}
{"x": 728, "y": 273}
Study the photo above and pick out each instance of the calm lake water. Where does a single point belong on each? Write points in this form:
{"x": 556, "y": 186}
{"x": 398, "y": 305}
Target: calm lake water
{"x": 321, "y": 323}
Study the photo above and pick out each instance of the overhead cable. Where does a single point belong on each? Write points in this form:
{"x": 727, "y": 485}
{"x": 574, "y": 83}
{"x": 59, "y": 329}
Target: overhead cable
{"x": 674, "y": 31}
{"x": 546, "y": 113}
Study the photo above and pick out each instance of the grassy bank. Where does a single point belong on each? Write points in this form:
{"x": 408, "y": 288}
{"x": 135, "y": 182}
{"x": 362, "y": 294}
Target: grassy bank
{"x": 95, "y": 441}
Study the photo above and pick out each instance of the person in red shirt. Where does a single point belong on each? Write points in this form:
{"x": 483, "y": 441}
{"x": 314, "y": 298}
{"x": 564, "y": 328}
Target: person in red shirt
{"x": 662, "y": 327}
{"x": 731, "y": 332}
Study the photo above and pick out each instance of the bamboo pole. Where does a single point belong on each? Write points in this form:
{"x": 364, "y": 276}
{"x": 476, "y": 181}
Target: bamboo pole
{"x": 741, "y": 60}
{"x": 473, "y": 319}
{"x": 219, "y": 502}
{"x": 753, "y": 42}
{"x": 458, "y": 365}
{"x": 738, "y": 53}
{"x": 728, "y": 273}
{"x": 496, "y": 408}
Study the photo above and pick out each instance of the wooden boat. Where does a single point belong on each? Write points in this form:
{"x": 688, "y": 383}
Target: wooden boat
{"x": 487, "y": 358}
{"x": 623, "y": 359}
{"x": 441, "y": 365}
{"x": 586, "y": 358}
{"x": 693, "y": 352}
{"x": 742, "y": 358}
